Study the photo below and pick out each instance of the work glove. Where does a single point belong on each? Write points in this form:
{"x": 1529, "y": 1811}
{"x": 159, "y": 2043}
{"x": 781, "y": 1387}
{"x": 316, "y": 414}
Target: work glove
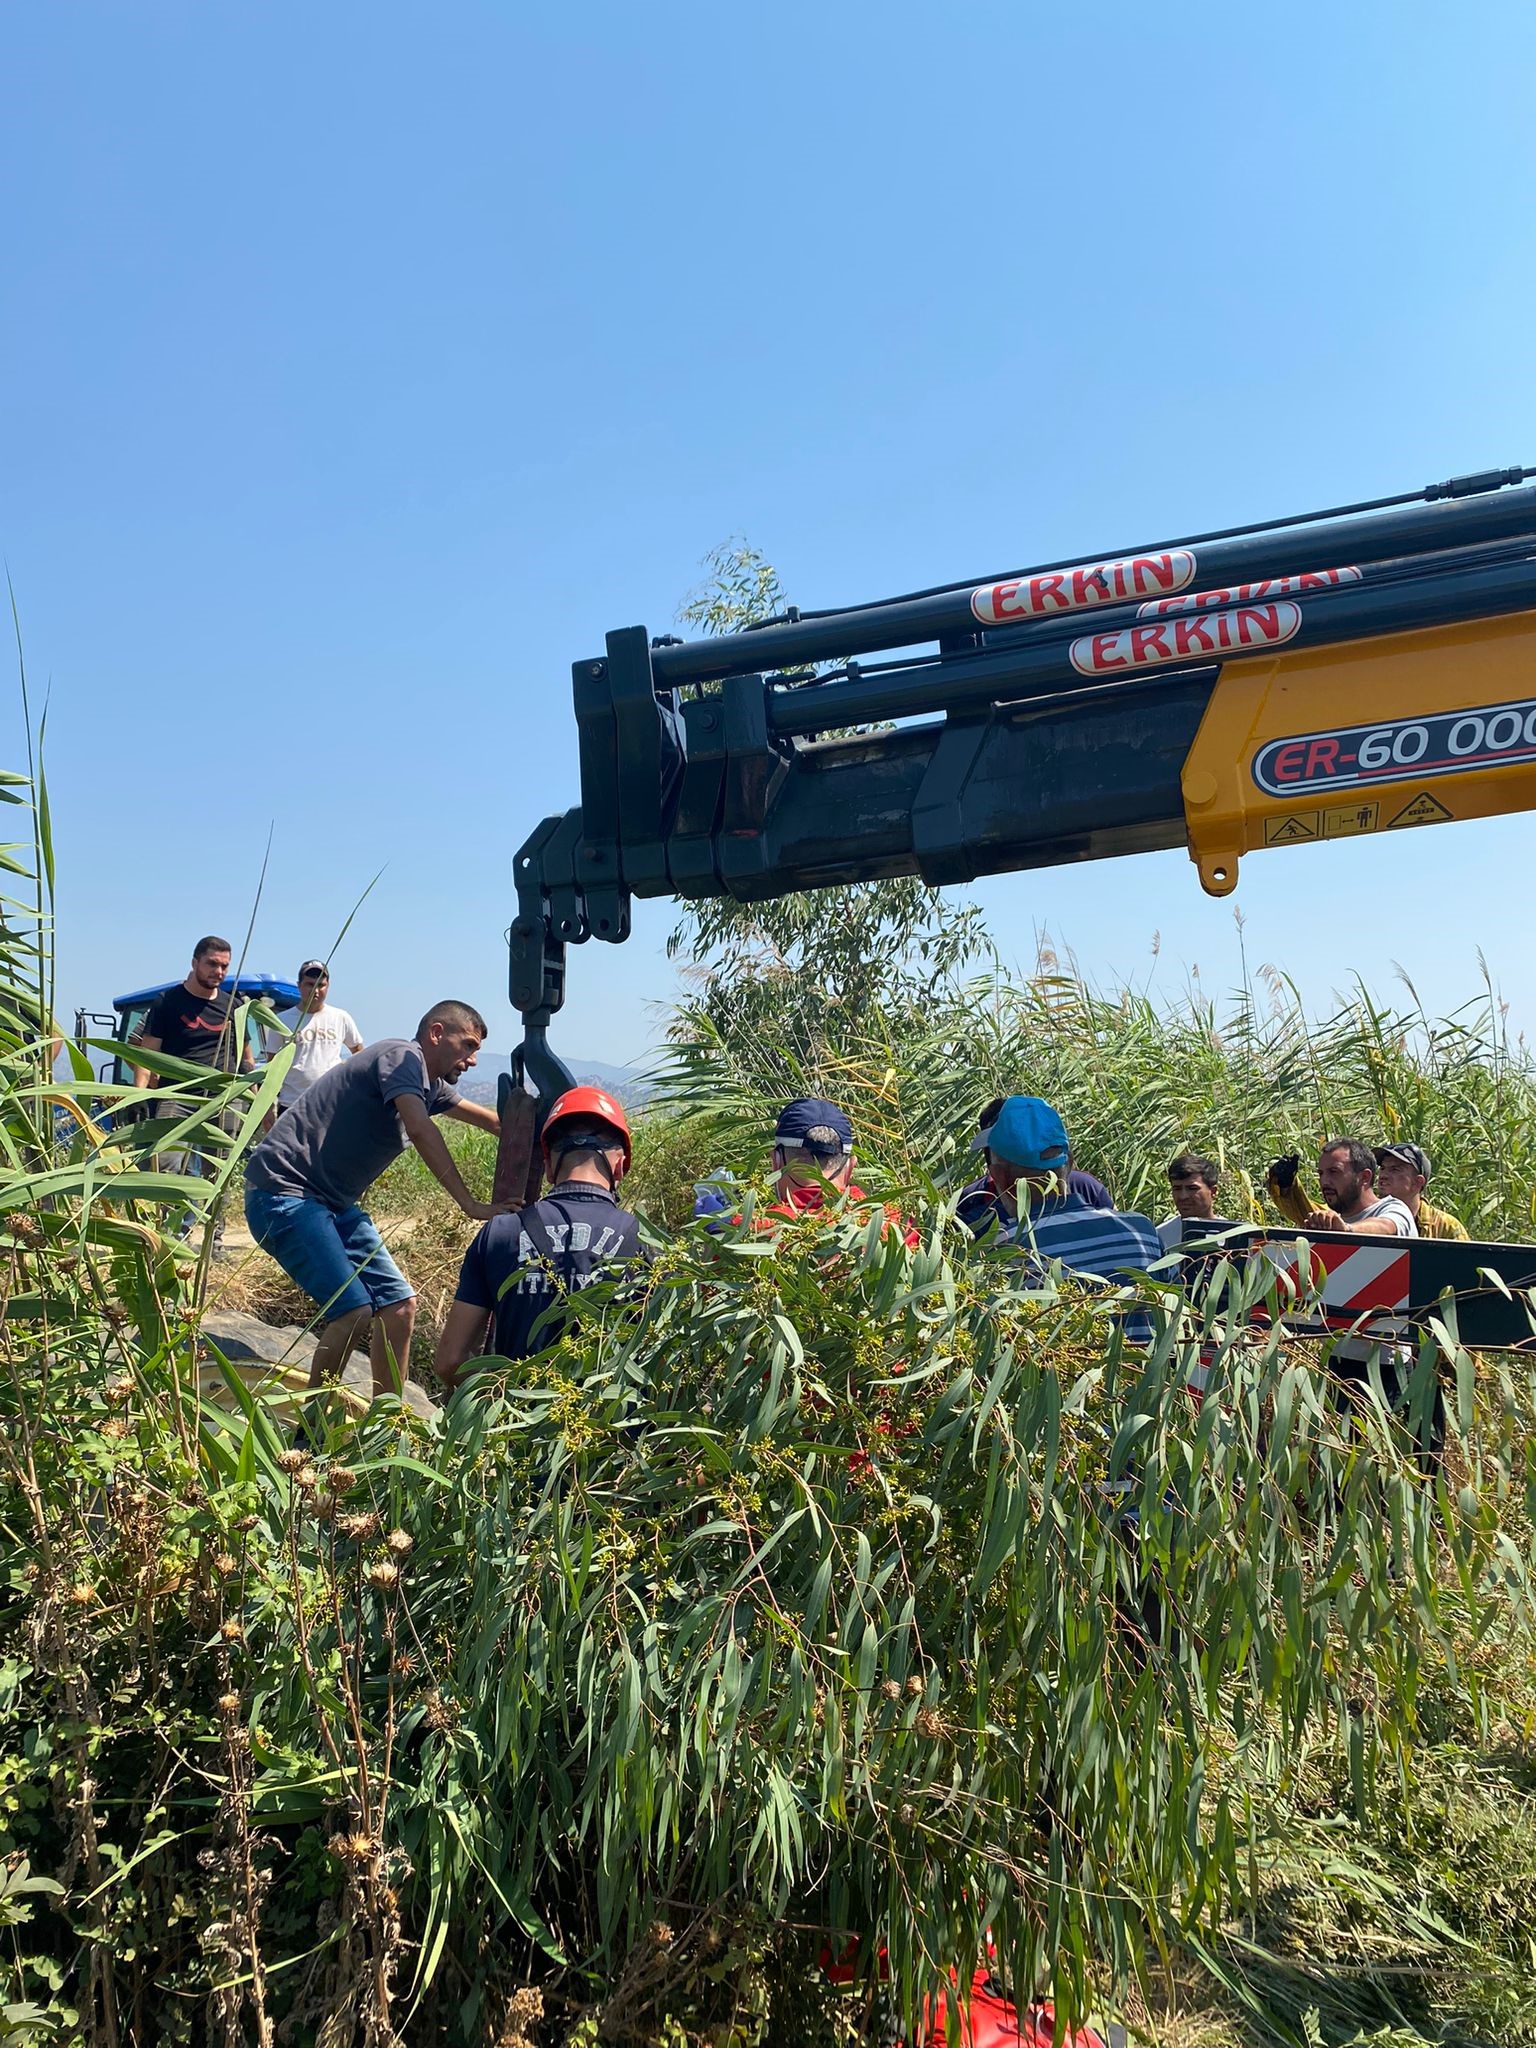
{"x": 1286, "y": 1190}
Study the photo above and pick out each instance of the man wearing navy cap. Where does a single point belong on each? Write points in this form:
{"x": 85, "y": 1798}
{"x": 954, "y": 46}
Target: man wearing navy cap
{"x": 813, "y": 1160}
{"x": 323, "y": 1034}
{"x": 812, "y": 1154}
{"x": 1057, "y": 1224}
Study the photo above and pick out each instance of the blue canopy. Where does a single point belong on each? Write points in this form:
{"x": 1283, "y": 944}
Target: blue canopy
{"x": 282, "y": 995}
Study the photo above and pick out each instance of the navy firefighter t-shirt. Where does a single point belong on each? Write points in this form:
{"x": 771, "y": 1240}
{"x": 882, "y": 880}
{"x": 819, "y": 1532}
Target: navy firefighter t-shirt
{"x": 517, "y": 1265}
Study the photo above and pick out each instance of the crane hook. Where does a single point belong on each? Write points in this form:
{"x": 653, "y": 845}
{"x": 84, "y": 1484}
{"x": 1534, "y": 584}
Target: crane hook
{"x": 519, "y": 1165}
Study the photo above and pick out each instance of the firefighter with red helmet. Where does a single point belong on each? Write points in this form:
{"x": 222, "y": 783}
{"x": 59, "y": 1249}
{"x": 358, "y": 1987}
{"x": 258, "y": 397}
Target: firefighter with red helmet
{"x": 520, "y": 1265}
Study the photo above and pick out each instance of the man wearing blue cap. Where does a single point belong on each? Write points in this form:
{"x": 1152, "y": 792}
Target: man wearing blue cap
{"x": 991, "y": 1202}
{"x": 1057, "y": 1224}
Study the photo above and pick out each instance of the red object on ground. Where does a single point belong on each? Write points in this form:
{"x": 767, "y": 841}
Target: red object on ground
{"x": 990, "y": 2021}
{"x": 993, "y": 2021}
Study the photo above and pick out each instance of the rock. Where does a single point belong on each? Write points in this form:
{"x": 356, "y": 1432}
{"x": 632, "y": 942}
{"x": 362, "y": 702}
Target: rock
{"x": 242, "y": 1336}
{"x": 284, "y": 1346}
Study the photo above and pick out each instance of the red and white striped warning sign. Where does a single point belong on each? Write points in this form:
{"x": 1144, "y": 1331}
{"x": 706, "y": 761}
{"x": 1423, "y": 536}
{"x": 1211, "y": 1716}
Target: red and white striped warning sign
{"x": 1346, "y": 1281}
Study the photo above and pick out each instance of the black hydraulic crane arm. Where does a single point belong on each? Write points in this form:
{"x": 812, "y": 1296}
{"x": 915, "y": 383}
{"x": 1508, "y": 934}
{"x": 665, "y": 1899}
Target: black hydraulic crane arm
{"x": 1315, "y": 541}
{"x": 1316, "y": 678}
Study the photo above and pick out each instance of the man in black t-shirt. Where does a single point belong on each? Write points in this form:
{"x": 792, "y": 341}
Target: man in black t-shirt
{"x": 519, "y": 1265}
{"x": 195, "y": 1020}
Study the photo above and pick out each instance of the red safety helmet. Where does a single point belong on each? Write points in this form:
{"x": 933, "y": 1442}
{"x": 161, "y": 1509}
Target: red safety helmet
{"x": 595, "y": 1102}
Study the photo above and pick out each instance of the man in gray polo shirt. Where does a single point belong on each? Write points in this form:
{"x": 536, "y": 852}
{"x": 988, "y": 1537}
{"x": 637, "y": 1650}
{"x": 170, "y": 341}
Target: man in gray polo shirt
{"x": 305, "y": 1181}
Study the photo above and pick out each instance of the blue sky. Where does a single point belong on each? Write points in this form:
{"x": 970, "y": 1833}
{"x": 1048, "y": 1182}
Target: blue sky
{"x": 364, "y": 365}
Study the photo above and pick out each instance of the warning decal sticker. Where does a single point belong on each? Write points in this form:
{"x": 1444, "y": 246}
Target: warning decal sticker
{"x": 1339, "y": 821}
{"x": 1290, "y": 831}
{"x": 1424, "y": 810}
{"x": 1402, "y": 750}
{"x": 1345, "y": 820}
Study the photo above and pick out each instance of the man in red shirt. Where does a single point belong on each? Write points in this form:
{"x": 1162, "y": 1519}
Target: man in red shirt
{"x": 812, "y": 1156}
{"x": 813, "y": 1163}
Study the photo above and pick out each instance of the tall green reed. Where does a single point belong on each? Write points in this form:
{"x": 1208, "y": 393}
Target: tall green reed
{"x": 819, "y": 1588}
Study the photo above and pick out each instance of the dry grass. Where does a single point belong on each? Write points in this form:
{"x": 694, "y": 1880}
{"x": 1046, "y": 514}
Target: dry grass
{"x": 427, "y": 1246}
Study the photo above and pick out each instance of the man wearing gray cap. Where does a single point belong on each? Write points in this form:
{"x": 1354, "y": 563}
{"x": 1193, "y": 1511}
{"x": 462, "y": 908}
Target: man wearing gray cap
{"x": 1402, "y": 1170}
{"x": 322, "y": 1034}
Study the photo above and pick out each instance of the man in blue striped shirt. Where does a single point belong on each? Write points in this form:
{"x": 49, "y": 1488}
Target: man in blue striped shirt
{"x": 1103, "y": 1244}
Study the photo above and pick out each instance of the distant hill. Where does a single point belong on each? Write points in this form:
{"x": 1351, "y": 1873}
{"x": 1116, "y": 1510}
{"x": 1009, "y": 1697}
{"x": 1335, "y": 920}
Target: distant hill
{"x": 480, "y": 1083}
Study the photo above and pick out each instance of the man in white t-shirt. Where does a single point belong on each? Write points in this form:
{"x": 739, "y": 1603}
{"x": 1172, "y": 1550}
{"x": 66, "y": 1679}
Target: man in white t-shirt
{"x": 1346, "y": 1173}
{"x": 322, "y": 1037}
{"x": 1192, "y": 1182}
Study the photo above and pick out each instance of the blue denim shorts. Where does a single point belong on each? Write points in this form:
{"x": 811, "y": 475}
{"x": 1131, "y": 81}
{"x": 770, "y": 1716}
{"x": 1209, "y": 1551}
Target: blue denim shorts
{"x": 336, "y": 1255}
